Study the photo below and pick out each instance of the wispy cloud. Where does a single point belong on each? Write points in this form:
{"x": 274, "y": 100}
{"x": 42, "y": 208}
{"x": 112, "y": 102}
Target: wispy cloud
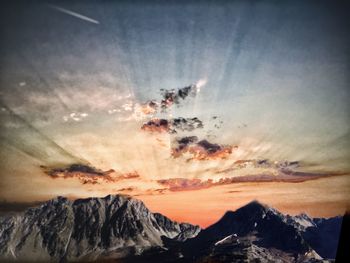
{"x": 186, "y": 184}
{"x": 75, "y": 116}
{"x": 183, "y": 184}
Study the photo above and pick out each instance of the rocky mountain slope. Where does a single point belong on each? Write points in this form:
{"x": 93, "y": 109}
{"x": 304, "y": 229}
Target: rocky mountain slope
{"x": 256, "y": 233}
{"x": 85, "y": 230}
{"x": 253, "y": 232}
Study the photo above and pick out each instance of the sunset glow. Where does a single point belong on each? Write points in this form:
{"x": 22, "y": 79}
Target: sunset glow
{"x": 194, "y": 109}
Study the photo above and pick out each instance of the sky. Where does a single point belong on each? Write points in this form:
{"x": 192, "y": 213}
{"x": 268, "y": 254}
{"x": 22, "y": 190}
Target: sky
{"x": 194, "y": 107}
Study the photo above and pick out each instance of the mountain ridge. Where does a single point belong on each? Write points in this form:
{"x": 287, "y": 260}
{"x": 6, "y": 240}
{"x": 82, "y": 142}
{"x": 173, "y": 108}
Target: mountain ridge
{"x": 121, "y": 227}
{"x": 83, "y": 229}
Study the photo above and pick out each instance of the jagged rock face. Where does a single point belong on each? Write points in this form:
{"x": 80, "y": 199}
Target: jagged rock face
{"x": 85, "y": 229}
{"x": 243, "y": 249}
{"x": 40, "y": 233}
{"x": 253, "y": 233}
{"x": 250, "y": 230}
{"x": 266, "y": 223}
{"x": 179, "y": 232}
{"x": 300, "y": 222}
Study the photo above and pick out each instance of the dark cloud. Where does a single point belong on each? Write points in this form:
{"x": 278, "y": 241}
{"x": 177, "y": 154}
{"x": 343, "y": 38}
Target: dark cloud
{"x": 183, "y": 143}
{"x": 200, "y": 150}
{"x": 209, "y": 147}
{"x": 79, "y": 168}
{"x": 172, "y": 125}
{"x": 175, "y": 96}
{"x": 84, "y": 169}
{"x": 186, "y": 124}
{"x": 88, "y": 174}
{"x": 157, "y": 125}
{"x": 169, "y": 97}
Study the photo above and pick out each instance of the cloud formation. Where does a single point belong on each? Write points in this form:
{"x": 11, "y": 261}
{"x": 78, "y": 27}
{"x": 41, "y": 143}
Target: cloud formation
{"x": 261, "y": 163}
{"x": 87, "y": 174}
{"x": 172, "y": 125}
{"x": 150, "y": 107}
{"x": 169, "y": 98}
{"x": 185, "y": 184}
{"x": 175, "y": 96}
{"x": 186, "y": 124}
{"x": 157, "y": 125}
{"x": 200, "y": 150}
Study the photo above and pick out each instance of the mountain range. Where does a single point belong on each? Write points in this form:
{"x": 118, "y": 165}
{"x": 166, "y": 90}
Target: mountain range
{"x": 119, "y": 228}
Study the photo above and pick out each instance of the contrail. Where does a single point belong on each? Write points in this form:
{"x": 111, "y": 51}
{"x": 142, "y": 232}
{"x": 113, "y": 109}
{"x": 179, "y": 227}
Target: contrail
{"x": 66, "y": 11}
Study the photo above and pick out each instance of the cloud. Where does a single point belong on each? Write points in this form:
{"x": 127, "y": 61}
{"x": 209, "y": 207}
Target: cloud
{"x": 186, "y": 124}
{"x": 128, "y": 106}
{"x": 112, "y": 111}
{"x": 88, "y": 174}
{"x": 185, "y": 184}
{"x": 68, "y": 93}
{"x": 175, "y": 96}
{"x": 157, "y": 125}
{"x": 261, "y": 163}
{"x": 150, "y": 107}
{"x": 172, "y": 125}
{"x": 200, "y": 150}
{"x": 150, "y": 192}
{"x": 140, "y": 111}
{"x": 75, "y": 116}
{"x": 169, "y": 97}
{"x": 184, "y": 142}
